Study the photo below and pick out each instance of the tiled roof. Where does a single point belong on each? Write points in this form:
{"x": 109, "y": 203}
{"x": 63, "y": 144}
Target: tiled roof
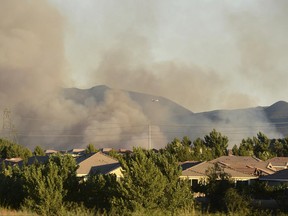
{"x": 76, "y": 150}
{"x": 199, "y": 171}
{"x": 34, "y": 159}
{"x": 281, "y": 176}
{"x": 187, "y": 164}
{"x": 244, "y": 164}
{"x": 50, "y": 151}
{"x": 10, "y": 161}
{"x": 97, "y": 162}
{"x": 278, "y": 161}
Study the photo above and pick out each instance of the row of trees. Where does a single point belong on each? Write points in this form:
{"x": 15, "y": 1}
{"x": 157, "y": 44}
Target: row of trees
{"x": 150, "y": 181}
{"x": 215, "y": 145}
{"x": 150, "y": 185}
{"x": 262, "y": 147}
{"x": 210, "y": 147}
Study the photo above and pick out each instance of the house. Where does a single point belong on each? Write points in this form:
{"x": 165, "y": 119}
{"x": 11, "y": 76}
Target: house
{"x": 33, "y": 160}
{"x": 50, "y": 152}
{"x": 278, "y": 177}
{"x": 98, "y": 163}
{"x": 245, "y": 164}
{"x": 10, "y": 161}
{"x": 241, "y": 169}
{"x": 278, "y": 163}
{"x": 187, "y": 164}
{"x": 106, "y": 150}
{"x": 76, "y": 152}
{"x": 197, "y": 173}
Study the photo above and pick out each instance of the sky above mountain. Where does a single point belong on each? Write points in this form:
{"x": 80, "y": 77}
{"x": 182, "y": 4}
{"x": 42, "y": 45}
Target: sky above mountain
{"x": 202, "y": 54}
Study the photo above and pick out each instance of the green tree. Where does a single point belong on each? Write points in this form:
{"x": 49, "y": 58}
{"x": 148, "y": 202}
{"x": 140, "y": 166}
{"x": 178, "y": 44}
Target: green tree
{"x": 91, "y": 149}
{"x": 235, "y": 150}
{"x": 67, "y": 171}
{"x": 217, "y": 143}
{"x": 11, "y": 187}
{"x": 180, "y": 149}
{"x": 99, "y": 192}
{"x": 9, "y": 149}
{"x": 151, "y": 181}
{"x": 261, "y": 146}
{"x": 38, "y": 151}
{"x": 200, "y": 151}
{"x": 235, "y": 203}
{"x": 277, "y": 147}
{"x": 44, "y": 189}
{"x": 246, "y": 147}
{"x": 143, "y": 184}
{"x": 218, "y": 182}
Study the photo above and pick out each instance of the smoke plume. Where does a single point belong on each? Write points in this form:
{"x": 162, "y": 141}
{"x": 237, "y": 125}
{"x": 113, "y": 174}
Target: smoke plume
{"x": 122, "y": 49}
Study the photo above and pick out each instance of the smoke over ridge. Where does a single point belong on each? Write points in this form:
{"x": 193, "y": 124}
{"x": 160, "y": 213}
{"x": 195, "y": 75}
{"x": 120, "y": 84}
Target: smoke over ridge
{"x": 33, "y": 68}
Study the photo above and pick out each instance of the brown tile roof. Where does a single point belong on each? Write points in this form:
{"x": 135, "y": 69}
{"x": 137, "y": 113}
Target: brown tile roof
{"x": 278, "y": 162}
{"x": 199, "y": 171}
{"x": 50, "y": 151}
{"x": 97, "y": 162}
{"x": 244, "y": 164}
{"x": 76, "y": 150}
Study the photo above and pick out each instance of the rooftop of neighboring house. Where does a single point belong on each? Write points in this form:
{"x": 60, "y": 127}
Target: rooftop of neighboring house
{"x": 96, "y": 163}
{"x": 280, "y": 176}
{"x": 10, "y": 161}
{"x": 76, "y": 150}
{"x": 278, "y": 163}
{"x": 187, "y": 164}
{"x": 199, "y": 171}
{"x": 50, "y": 151}
{"x": 245, "y": 164}
{"x": 33, "y": 160}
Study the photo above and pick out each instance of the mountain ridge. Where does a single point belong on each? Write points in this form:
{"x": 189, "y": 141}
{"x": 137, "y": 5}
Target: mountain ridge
{"x": 167, "y": 114}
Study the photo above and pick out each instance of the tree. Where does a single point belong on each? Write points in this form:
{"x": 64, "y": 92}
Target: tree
{"x": 180, "y": 149}
{"x": 44, "y": 189}
{"x": 235, "y": 203}
{"x": 177, "y": 192}
{"x": 11, "y": 187}
{"x": 91, "y": 149}
{"x": 277, "y": 147}
{"x": 67, "y": 171}
{"x": 9, "y": 149}
{"x": 218, "y": 182}
{"x": 235, "y": 150}
{"x": 246, "y": 147}
{"x": 261, "y": 146}
{"x": 151, "y": 181}
{"x": 143, "y": 184}
{"x": 200, "y": 151}
{"x": 217, "y": 143}
{"x": 48, "y": 186}
{"x": 99, "y": 192}
{"x": 38, "y": 151}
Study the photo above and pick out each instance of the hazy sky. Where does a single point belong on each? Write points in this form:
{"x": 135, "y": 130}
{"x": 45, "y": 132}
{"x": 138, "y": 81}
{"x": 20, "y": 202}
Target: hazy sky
{"x": 203, "y": 54}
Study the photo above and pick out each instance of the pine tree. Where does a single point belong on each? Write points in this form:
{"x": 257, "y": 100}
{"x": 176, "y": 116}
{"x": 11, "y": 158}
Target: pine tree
{"x": 44, "y": 189}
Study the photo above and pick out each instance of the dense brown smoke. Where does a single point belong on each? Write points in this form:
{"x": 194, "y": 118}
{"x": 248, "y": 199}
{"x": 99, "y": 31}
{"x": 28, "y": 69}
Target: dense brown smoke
{"x": 33, "y": 69}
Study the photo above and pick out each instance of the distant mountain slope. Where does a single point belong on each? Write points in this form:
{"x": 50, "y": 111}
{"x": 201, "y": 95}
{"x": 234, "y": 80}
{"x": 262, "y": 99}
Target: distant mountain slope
{"x": 157, "y": 109}
{"x": 176, "y": 121}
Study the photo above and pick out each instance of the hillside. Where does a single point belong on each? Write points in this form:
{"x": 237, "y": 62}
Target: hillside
{"x": 173, "y": 120}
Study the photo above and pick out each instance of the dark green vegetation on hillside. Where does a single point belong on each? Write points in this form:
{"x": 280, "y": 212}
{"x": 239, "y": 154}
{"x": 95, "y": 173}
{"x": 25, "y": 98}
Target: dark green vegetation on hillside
{"x": 150, "y": 183}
